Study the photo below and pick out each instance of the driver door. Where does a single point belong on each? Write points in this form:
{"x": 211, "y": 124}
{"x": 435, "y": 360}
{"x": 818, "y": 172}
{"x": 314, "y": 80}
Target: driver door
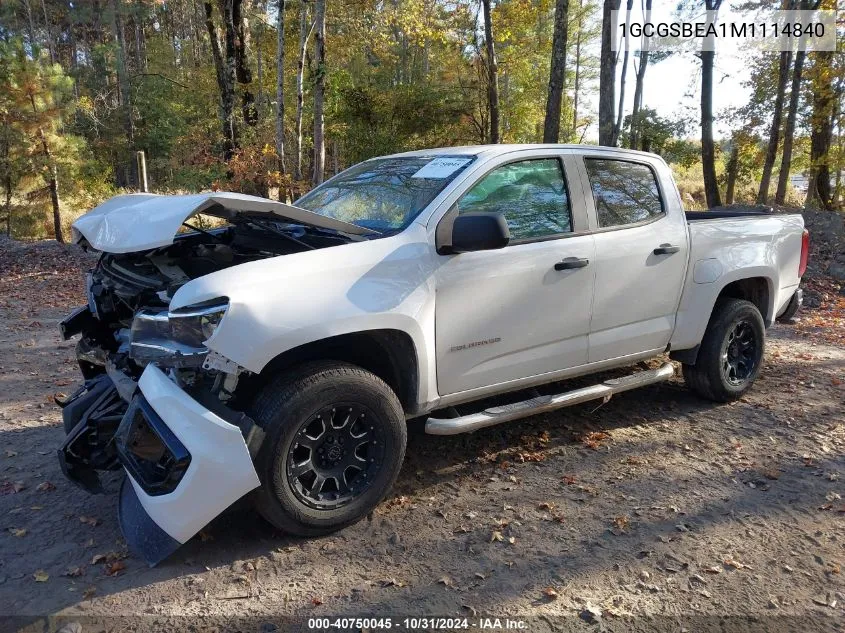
{"x": 507, "y": 314}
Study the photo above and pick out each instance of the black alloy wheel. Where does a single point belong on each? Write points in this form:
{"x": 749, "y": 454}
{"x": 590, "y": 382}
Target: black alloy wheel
{"x": 739, "y": 355}
{"x": 336, "y": 455}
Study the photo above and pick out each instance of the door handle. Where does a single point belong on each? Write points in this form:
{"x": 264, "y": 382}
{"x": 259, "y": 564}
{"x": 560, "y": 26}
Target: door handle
{"x": 666, "y": 249}
{"x": 571, "y": 262}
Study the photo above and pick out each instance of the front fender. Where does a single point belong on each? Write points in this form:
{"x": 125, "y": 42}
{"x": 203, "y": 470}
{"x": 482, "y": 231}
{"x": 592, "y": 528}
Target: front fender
{"x": 284, "y": 302}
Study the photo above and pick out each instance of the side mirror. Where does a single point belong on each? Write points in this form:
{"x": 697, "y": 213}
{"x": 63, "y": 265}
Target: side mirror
{"x": 477, "y": 232}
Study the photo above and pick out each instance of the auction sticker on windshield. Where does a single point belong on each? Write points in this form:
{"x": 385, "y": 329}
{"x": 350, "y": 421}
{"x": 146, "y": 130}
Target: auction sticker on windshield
{"x": 441, "y": 167}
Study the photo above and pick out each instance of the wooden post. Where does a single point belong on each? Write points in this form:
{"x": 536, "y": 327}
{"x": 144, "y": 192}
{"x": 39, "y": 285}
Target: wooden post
{"x": 142, "y": 171}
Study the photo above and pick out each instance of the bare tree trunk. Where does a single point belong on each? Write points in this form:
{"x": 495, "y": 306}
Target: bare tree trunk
{"x": 53, "y": 179}
{"x": 492, "y": 74}
{"x": 577, "y": 86}
{"x": 617, "y": 128}
{"x": 304, "y": 33}
{"x": 8, "y": 185}
{"x": 50, "y": 47}
{"x": 259, "y": 65}
{"x": 7, "y": 178}
{"x": 708, "y": 147}
{"x": 607, "y": 75}
{"x": 733, "y": 166}
{"x": 557, "y": 75}
{"x": 821, "y": 131}
{"x": 280, "y": 93}
{"x": 124, "y": 88}
{"x": 237, "y": 54}
{"x": 774, "y": 129}
{"x": 30, "y": 25}
{"x": 225, "y": 70}
{"x": 140, "y": 53}
{"x": 638, "y": 88}
{"x": 789, "y": 129}
{"x": 319, "y": 93}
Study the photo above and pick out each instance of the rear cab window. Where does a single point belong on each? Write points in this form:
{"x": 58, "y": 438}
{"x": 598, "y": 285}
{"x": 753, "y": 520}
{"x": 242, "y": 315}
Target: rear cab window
{"x": 624, "y": 192}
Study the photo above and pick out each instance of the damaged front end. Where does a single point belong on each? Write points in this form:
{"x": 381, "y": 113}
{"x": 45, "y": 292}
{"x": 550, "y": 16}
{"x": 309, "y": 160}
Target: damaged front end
{"x": 156, "y": 401}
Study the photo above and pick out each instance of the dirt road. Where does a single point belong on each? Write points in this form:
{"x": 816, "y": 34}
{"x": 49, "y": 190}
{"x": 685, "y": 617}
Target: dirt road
{"x": 653, "y": 504}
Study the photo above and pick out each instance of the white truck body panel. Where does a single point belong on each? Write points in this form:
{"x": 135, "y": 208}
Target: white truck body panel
{"x": 628, "y": 304}
{"x": 480, "y": 322}
{"x": 221, "y": 469}
{"x": 725, "y": 250}
{"x": 143, "y": 221}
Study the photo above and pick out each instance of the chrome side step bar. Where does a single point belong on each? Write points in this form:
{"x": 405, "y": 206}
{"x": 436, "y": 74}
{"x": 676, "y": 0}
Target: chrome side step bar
{"x": 542, "y": 404}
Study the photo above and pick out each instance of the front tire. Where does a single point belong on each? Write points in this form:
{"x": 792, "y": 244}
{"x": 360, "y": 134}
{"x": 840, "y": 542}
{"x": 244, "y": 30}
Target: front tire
{"x": 731, "y": 352}
{"x": 335, "y": 442}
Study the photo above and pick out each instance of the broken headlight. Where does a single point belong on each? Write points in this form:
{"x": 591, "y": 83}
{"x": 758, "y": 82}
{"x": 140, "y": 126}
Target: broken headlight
{"x": 174, "y": 338}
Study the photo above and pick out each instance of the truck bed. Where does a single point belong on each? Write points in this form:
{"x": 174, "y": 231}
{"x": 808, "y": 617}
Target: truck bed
{"x": 715, "y": 214}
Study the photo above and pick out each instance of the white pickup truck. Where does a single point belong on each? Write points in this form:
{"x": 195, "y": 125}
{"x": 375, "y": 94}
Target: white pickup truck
{"x": 281, "y": 352}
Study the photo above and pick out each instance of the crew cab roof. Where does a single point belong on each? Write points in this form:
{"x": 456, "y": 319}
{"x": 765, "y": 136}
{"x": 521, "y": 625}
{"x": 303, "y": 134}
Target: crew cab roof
{"x": 488, "y": 151}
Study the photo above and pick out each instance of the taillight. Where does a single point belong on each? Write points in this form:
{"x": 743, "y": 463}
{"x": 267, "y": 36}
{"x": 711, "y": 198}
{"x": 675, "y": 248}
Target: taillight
{"x": 805, "y": 252}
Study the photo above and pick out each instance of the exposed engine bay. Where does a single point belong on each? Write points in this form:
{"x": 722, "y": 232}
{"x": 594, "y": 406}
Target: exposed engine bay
{"x": 127, "y": 325}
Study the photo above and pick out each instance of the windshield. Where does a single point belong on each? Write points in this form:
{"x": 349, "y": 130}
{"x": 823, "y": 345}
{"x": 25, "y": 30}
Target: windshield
{"x": 384, "y": 194}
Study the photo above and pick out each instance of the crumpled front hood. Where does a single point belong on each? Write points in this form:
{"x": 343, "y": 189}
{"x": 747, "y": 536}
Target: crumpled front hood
{"x": 143, "y": 221}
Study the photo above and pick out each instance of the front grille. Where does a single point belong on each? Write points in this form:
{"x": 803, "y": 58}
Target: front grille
{"x": 121, "y": 284}
{"x": 149, "y": 450}
{"x": 129, "y": 278}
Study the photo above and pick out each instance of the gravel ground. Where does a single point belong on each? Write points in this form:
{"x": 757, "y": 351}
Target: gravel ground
{"x": 654, "y": 510}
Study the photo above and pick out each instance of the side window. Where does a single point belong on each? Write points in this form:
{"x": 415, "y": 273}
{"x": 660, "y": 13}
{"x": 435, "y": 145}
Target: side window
{"x": 531, "y": 194}
{"x": 624, "y": 192}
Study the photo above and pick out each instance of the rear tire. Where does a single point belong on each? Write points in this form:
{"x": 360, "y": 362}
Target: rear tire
{"x": 335, "y": 442}
{"x": 731, "y": 352}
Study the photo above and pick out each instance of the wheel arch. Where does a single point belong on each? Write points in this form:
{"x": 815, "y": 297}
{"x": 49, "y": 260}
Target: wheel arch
{"x": 759, "y": 290}
{"x": 390, "y": 354}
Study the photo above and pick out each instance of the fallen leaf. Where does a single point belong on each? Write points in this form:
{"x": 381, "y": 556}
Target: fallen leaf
{"x": 511, "y": 540}
{"x": 478, "y": 574}
{"x": 45, "y": 486}
{"x": 107, "y": 558}
{"x": 19, "y": 532}
{"x": 11, "y": 487}
{"x": 496, "y": 536}
{"x": 594, "y": 439}
{"x": 114, "y": 568}
{"x": 550, "y": 593}
{"x": 730, "y": 562}
{"x": 74, "y": 572}
{"x": 392, "y": 582}
{"x": 41, "y": 576}
{"x": 713, "y": 570}
{"x": 569, "y": 480}
{"x": 445, "y": 580}
{"x": 622, "y": 523}
{"x": 546, "y": 505}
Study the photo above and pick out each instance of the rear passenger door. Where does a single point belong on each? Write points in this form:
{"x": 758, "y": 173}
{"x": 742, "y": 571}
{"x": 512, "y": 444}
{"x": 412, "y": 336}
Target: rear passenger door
{"x": 641, "y": 255}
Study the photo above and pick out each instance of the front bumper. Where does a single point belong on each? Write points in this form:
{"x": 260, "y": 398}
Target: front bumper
{"x": 205, "y": 468}
{"x": 186, "y": 462}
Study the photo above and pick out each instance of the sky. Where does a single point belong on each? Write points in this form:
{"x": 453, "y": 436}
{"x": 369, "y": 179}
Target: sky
{"x": 672, "y": 86}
